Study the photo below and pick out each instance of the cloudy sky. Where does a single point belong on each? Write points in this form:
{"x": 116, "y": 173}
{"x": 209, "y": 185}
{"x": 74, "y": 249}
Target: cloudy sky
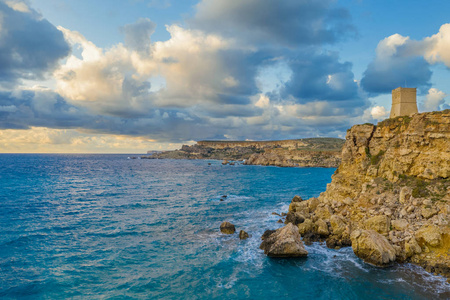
{"x": 127, "y": 76}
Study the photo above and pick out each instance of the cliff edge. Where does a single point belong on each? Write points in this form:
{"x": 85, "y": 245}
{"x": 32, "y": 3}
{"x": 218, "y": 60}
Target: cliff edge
{"x": 390, "y": 196}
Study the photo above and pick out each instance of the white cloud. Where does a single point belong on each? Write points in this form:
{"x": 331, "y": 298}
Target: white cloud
{"x": 18, "y": 5}
{"x": 436, "y": 48}
{"x": 433, "y": 100}
{"x": 389, "y": 46}
{"x": 379, "y": 113}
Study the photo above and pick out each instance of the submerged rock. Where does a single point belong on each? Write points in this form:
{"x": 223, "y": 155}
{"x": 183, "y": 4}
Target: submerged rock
{"x": 372, "y": 247}
{"x": 227, "y": 228}
{"x": 283, "y": 242}
{"x": 243, "y": 235}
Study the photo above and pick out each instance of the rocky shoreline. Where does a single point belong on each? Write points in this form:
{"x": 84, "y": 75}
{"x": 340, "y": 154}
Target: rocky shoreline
{"x": 313, "y": 152}
{"x": 389, "y": 199}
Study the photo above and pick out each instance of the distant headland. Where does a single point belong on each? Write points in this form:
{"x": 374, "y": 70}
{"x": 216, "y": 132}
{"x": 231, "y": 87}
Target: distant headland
{"x": 309, "y": 152}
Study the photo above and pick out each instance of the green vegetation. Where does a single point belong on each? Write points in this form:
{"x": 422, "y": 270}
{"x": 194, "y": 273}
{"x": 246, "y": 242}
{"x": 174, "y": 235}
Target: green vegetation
{"x": 322, "y": 144}
{"x": 422, "y": 188}
{"x": 375, "y": 159}
{"x": 368, "y": 152}
{"x": 397, "y": 121}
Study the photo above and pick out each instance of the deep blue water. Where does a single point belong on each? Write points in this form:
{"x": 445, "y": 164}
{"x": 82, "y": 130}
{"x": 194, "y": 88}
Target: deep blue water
{"x": 103, "y": 226}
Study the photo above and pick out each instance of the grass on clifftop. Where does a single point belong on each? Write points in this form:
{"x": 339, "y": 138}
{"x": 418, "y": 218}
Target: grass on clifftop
{"x": 323, "y": 144}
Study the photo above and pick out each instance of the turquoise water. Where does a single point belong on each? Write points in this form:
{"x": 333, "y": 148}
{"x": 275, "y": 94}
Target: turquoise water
{"x": 106, "y": 227}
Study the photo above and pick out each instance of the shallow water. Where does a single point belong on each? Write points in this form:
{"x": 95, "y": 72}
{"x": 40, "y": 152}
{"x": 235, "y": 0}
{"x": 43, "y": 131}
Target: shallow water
{"x": 104, "y": 226}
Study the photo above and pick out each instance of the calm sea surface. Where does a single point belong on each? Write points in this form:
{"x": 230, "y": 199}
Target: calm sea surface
{"x": 108, "y": 227}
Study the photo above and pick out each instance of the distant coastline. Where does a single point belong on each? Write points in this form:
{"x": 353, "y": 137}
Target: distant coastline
{"x": 309, "y": 152}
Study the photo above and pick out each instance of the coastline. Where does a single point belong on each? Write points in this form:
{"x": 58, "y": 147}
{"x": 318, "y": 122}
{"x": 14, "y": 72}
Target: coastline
{"x": 389, "y": 198}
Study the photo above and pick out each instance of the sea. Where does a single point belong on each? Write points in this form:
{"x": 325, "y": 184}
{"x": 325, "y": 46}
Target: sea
{"x": 110, "y": 227}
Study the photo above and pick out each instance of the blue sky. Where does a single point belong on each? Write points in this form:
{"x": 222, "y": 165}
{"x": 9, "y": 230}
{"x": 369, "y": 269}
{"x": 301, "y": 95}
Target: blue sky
{"x": 130, "y": 76}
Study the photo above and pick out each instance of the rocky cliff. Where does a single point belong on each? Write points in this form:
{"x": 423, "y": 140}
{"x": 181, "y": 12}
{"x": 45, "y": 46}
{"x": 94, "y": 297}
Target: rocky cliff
{"x": 390, "y": 196}
{"x": 312, "y": 152}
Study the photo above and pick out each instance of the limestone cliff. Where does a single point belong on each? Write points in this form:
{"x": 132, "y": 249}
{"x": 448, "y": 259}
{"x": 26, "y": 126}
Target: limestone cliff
{"x": 390, "y": 192}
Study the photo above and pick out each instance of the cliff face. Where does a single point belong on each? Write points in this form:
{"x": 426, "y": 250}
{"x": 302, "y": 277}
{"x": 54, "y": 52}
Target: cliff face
{"x": 392, "y": 188}
{"x": 295, "y": 158}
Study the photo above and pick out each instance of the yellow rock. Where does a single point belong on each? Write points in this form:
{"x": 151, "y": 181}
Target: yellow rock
{"x": 380, "y": 224}
{"x": 429, "y": 235}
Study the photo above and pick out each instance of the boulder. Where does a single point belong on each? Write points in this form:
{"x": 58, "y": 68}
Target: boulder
{"x": 400, "y": 224}
{"x": 405, "y": 194}
{"x": 243, "y": 235}
{"x": 225, "y": 162}
{"x": 380, "y": 224}
{"x": 372, "y": 247}
{"x": 299, "y": 207}
{"x": 429, "y": 235}
{"x": 324, "y": 212}
{"x": 294, "y": 218}
{"x": 227, "y": 228}
{"x": 322, "y": 228}
{"x": 283, "y": 242}
{"x": 313, "y": 203}
{"x": 412, "y": 247}
{"x": 428, "y": 212}
{"x": 297, "y": 199}
{"x": 337, "y": 225}
{"x": 305, "y": 227}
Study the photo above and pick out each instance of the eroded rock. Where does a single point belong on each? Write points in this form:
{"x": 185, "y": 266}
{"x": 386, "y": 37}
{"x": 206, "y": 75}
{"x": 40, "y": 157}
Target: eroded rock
{"x": 283, "y": 242}
{"x": 380, "y": 224}
{"x": 372, "y": 247}
{"x": 429, "y": 235}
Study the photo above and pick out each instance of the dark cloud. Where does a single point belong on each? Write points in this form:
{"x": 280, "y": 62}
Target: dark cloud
{"x": 383, "y": 77}
{"x": 289, "y": 22}
{"x": 40, "y": 108}
{"x": 29, "y": 45}
{"x": 320, "y": 77}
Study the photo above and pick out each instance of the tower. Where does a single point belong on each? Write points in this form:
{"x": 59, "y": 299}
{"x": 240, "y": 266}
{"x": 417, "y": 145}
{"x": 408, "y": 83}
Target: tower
{"x": 403, "y": 102}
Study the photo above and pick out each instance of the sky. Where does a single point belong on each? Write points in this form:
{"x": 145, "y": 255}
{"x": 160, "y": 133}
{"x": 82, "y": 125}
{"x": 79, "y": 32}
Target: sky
{"x": 128, "y": 76}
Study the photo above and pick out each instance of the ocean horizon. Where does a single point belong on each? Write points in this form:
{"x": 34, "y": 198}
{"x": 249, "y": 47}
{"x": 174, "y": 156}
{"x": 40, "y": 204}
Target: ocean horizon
{"x": 102, "y": 226}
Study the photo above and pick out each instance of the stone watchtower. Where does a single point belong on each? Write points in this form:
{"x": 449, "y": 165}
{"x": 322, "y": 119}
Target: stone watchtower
{"x": 403, "y": 102}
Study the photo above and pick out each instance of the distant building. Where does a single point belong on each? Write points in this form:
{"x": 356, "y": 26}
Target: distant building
{"x": 404, "y": 102}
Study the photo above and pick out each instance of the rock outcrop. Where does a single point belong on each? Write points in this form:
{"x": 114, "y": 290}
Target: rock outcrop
{"x": 313, "y": 152}
{"x": 390, "y": 196}
{"x": 227, "y": 228}
{"x": 283, "y": 242}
